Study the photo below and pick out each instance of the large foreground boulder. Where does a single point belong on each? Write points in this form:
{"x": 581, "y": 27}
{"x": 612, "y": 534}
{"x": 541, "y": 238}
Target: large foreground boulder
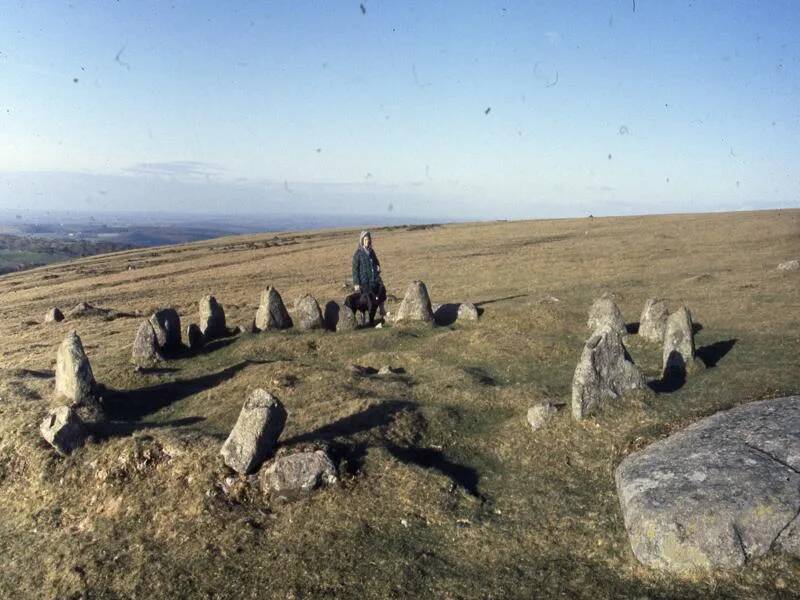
{"x": 212, "y": 318}
{"x": 63, "y": 429}
{"x": 653, "y": 321}
{"x": 307, "y": 313}
{"x": 605, "y": 371}
{"x": 167, "y": 325}
{"x": 272, "y": 313}
{"x": 74, "y": 377}
{"x": 256, "y": 432}
{"x": 721, "y": 492}
{"x": 679, "y": 352}
{"x": 54, "y": 315}
{"x": 416, "y": 305}
{"x": 604, "y": 312}
{"x": 296, "y": 475}
{"x": 145, "y": 346}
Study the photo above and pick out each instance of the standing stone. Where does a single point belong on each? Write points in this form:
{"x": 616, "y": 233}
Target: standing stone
{"x": 307, "y": 313}
{"x": 467, "y": 312}
{"x": 331, "y": 315}
{"x": 145, "y": 346}
{"x": 653, "y": 321}
{"x": 540, "y": 414}
{"x": 212, "y": 318}
{"x": 167, "y": 325}
{"x": 272, "y": 313}
{"x": 604, "y": 371}
{"x": 347, "y": 319}
{"x": 74, "y": 377}
{"x": 416, "y": 305}
{"x": 63, "y": 430}
{"x": 679, "y": 354}
{"x": 296, "y": 475}
{"x": 194, "y": 337}
{"x": 720, "y": 493}
{"x": 256, "y": 432}
{"x": 605, "y": 313}
{"x": 54, "y": 315}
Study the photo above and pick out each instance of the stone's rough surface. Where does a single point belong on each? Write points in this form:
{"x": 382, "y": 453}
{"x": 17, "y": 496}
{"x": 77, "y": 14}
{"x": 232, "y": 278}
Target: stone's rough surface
{"x": 54, "y": 315}
{"x": 256, "y": 432}
{"x": 74, "y": 377}
{"x": 789, "y": 265}
{"x": 653, "y": 321}
{"x": 307, "y": 313}
{"x": 212, "y": 318}
{"x": 145, "y": 346}
{"x": 605, "y": 313}
{"x": 416, "y": 305}
{"x": 194, "y": 337}
{"x": 604, "y": 371}
{"x": 719, "y": 493}
{"x": 678, "y": 354}
{"x": 467, "y": 312}
{"x": 272, "y": 313}
{"x": 297, "y": 474}
{"x": 347, "y": 319}
{"x": 63, "y": 430}
{"x": 540, "y": 414}
{"x": 167, "y": 325}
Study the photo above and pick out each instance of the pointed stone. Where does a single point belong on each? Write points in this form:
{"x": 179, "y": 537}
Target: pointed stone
{"x": 74, "y": 377}
{"x": 416, "y": 305}
{"x": 307, "y": 313}
{"x": 54, "y": 315}
{"x": 253, "y": 438}
{"x": 605, "y": 313}
{"x": 167, "y": 325}
{"x": 272, "y": 313}
{"x": 63, "y": 430}
{"x": 653, "y": 321}
{"x": 679, "y": 352}
{"x": 605, "y": 371}
{"x": 145, "y": 346}
{"x": 212, "y": 318}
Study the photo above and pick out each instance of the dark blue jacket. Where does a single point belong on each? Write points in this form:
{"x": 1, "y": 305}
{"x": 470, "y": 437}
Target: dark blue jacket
{"x": 366, "y": 269}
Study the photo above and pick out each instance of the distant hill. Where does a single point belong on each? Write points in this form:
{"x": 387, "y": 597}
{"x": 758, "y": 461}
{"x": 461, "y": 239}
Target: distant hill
{"x": 18, "y": 253}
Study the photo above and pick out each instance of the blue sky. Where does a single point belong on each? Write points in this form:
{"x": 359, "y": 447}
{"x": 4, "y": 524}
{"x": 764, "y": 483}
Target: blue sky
{"x": 442, "y": 109}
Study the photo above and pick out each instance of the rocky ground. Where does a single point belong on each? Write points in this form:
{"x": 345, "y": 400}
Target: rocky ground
{"x": 441, "y": 488}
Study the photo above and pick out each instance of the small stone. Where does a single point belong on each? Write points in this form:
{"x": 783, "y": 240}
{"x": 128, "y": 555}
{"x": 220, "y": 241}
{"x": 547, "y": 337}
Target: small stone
{"x": 347, "y": 319}
{"x": 307, "y": 313}
{"x": 167, "y": 325}
{"x": 63, "y": 429}
{"x": 385, "y": 370}
{"x": 272, "y": 313}
{"x": 74, "y": 377}
{"x": 145, "y": 346}
{"x": 295, "y": 475}
{"x": 653, "y": 321}
{"x": 540, "y": 414}
{"x": 212, "y": 318}
{"x": 605, "y": 313}
{"x": 416, "y": 305}
{"x": 467, "y": 312}
{"x": 194, "y": 337}
{"x": 54, "y": 315}
{"x": 253, "y": 438}
{"x": 789, "y": 265}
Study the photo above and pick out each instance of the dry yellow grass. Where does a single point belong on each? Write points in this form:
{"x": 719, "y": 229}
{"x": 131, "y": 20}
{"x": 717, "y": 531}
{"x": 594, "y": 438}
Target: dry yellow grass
{"x": 445, "y": 492}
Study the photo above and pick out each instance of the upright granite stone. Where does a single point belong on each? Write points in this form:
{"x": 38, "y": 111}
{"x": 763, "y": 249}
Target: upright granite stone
{"x": 145, "y": 346}
{"x": 719, "y": 493}
{"x": 297, "y": 474}
{"x": 54, "y": 315}
{"x": 63, "y": 430}
{"x": 307, "y": 313}
{"x": 605, "y": 313}
{"x": 467, "y": 312}
{"x": 256, "y": 432}
{"x": 272, "y": 313}
{"x": 212, "y": 318}
{"x": 605, "y": 371}
{"x": 653, "y": 321}
{"x": 194, "y": 337}
{"x": 416, "y": 305}
{"x": 167, "y": 324}
{"x": 74, "y": 377}
{"x": 347, "y": 319}
{"x": 679, "y": 354}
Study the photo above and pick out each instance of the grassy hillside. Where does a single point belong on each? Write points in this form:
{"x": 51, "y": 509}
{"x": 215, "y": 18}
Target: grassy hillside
{"x": 445, "y": 491}
{"x": 18, "y": 253}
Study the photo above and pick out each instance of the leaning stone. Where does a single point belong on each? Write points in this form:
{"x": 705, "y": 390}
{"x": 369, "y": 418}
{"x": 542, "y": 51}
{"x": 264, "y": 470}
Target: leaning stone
{"x": 74, "y": 377}
{"x": 63, "y": 430}
{"x": 605, "y": 313}
{"x": 194, "y": 337}
{"x": 272, "y": 313}
{"x": 604, "y": 371}
{"x": 295, "y": 475}
{"x": 167, "y": 325}
{"x": 256, "y": 432}
{"x": 653, "y": 321}
{"x": 54, "y": 315}
{"x": 212, "y": 318}
{"x": 416, "y": 305}
{"x": 720, "y": 493}
{"x": 467, "y": 312}
{"x": 540, "y": 414}
{"x": 789, "y": 265}
{"x": 307, "y": 313}
{"x": 679, "y": 353}
{"x": 347, "y": 319}
{"x": 145, "y": 346}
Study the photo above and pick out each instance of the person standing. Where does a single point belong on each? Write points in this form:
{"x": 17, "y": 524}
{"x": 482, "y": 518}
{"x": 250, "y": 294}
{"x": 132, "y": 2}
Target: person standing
{"x": 367, "y": 271}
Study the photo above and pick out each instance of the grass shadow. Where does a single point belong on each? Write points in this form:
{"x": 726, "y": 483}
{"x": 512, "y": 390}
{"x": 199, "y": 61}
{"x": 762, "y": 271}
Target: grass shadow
{"x": 632, "y": 328}
{"x": 493, "y": 300}
{"x": 128, "y": 428}
{"x": 713, "y": 353}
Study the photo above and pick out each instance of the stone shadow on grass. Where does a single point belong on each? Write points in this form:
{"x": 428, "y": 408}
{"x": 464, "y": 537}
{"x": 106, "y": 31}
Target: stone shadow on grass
{"x": 632, "y": 328}
{"x": 713, "y": 353}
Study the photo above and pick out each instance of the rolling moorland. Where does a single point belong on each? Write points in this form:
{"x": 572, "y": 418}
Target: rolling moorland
{"x": 444, "y": 490}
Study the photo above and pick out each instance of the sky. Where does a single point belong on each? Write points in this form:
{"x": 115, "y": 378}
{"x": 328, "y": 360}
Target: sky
{"x": 449, "y": 110}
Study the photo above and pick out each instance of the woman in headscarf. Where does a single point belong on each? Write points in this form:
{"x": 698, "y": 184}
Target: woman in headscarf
{"x": 367, "y": 271}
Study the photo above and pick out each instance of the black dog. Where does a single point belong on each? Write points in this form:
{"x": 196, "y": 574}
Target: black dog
{"x": 363, "y": 302}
